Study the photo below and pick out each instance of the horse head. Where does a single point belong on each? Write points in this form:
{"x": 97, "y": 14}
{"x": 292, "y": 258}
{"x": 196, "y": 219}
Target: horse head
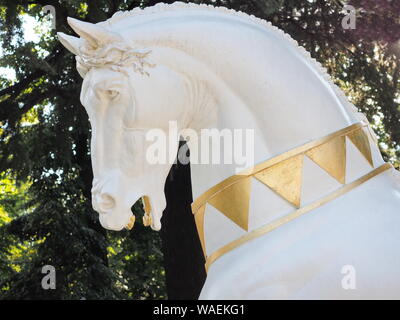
{"x": 126, "y": 93}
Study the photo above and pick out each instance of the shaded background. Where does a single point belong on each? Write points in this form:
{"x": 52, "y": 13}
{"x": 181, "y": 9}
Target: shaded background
{"x": 45, "y": 171}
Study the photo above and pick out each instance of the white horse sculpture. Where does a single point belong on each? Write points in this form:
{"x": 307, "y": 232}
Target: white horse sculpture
{"x": 317, "y": 217}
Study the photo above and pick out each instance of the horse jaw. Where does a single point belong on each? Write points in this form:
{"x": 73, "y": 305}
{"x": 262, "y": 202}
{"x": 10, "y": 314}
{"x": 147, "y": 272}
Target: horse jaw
{"x": 119, "y": 194}
{"x": 118, "y": 189}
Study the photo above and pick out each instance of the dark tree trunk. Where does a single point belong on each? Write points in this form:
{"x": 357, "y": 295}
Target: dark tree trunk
{"x": 183, "y": 256}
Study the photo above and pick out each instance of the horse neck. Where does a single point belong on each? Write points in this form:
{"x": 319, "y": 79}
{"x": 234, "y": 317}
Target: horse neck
{"x": 273, "y": 133}
{"x": 284, "y": 108}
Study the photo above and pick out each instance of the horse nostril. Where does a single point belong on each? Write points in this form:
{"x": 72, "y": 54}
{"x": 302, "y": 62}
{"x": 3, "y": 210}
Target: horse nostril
{"x": 105, "y": 202}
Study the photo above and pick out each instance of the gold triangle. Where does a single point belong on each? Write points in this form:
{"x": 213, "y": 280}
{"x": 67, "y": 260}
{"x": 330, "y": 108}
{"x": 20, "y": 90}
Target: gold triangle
{"x": 360, "y": 140}
{"x": 234, "y": 201}
{"x": 284, "y": 178}
{"x": 199, "y": 220}
{"x": 331, "y": 156}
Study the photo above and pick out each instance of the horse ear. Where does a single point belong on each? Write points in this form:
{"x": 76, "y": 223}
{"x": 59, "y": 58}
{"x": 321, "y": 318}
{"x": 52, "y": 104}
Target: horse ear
{"x": 69, "y": 42}
{"x": 94, "y": 34}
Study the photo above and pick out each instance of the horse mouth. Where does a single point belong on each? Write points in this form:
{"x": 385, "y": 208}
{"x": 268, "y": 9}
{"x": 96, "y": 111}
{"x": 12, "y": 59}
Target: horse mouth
{"x": 146, "y": 217}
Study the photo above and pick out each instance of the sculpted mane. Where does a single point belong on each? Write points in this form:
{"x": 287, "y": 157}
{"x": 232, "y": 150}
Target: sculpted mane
{"x": 115, "y": 55}
{"x": 251, "y": 19}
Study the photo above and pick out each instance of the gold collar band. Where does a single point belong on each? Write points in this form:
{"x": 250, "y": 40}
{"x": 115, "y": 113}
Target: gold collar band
{"x": 283, "y": 175}
{"x": 291, "y": 216}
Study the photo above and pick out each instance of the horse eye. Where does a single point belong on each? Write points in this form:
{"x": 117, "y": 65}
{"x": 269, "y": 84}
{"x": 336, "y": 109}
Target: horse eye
{"x": 112, "y": 93}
